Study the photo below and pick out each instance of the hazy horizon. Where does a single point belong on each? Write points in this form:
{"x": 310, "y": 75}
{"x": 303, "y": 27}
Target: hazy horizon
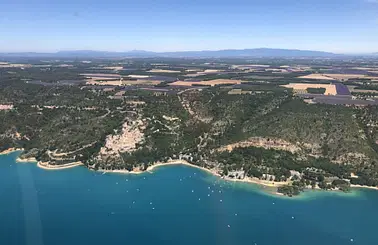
{"x": 338, "y": 26}
{"x": 179, "y": 51}
{"x": 173, "y": 51}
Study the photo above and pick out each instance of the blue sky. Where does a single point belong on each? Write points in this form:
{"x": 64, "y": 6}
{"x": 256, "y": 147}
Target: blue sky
{"x": 343, "y": 26}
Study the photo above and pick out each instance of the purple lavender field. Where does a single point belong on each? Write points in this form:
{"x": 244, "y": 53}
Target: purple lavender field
{"x": 342, "y": 89}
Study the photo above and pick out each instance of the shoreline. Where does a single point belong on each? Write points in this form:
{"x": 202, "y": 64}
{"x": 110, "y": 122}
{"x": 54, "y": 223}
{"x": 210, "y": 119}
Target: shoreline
{"x": 156, "y": 165}
{"x": 26, "y": 160}
{"x": 249, "y": 180}
{"x": 40, "y": 164}
{"x": 263, "y": 183}
{"x": 364, "y": 186}
{"x": 10, "y": 150}
{"x": 150, "y": 169}
{"x": 47, "y": 166}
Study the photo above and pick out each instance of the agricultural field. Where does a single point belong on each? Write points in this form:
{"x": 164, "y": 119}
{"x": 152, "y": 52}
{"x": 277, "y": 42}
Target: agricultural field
{"x": 317, "y": 77}
{"x": 163, "y": 71}
{"x": 206, "y": 83}
{"x": 330, "y": 89}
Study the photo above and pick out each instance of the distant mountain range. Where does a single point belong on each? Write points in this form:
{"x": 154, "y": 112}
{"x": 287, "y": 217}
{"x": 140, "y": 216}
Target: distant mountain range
{"x": 258, "y": 52}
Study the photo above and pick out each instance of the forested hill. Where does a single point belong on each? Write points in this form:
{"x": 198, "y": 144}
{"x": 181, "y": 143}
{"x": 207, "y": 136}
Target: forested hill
{"x": 266, "y": 133}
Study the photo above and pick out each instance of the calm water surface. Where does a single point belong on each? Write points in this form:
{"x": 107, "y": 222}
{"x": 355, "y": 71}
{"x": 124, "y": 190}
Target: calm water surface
{"x": 175, "y": 205}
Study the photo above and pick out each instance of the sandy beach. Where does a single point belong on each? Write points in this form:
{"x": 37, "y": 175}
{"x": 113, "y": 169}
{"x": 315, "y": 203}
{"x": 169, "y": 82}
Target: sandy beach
{"x": 214, "y": 172}
{"x": 44, "y": 165}
{"x": 179, "y": 162}
{"x": 47, "y": 166}
{"x": 211, "y": 171}
{"x": 26, "y": 160}
{"x": 150, "y": 168}
{"x": 10, "y": 150}
{"x": 157, "y": 165}
{"x": 364, "y": 186}
{"x": 119, "y": 171}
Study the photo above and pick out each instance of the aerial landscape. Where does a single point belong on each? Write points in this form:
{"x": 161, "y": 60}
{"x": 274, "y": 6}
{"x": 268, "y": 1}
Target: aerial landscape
{"x": 191, "y": 137}
{"x": 292, "y": 123}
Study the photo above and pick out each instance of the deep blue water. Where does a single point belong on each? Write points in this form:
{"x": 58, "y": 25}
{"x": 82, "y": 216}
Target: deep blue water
{"x": 78, "y": 206}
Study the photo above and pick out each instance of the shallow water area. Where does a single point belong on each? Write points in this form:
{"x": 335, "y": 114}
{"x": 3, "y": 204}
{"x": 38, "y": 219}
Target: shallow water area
{"x": 172, "y": 205}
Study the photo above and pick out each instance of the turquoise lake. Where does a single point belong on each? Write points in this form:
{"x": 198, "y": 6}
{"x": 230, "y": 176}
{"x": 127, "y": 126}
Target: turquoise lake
{"x": 175, "y": 205}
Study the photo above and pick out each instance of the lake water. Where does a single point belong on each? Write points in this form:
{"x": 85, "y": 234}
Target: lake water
{"x": 175, "y": 205}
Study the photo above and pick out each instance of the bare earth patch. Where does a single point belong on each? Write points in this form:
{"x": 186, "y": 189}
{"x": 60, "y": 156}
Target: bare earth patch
{"x": 266, "y": 143}
{"x": 6, "y": 107}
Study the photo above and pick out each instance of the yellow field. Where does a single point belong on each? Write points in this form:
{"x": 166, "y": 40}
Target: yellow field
{"x": 340, "y": 77}
{"x": 102, "y": 79}
{"x": 316, "y": 76}
{"x": 345, "y": 76}
{"x": 330, "y": 88}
